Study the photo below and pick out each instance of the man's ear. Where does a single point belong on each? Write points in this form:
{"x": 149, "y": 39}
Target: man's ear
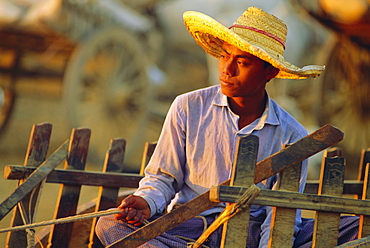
{"x": 271, "y": 72}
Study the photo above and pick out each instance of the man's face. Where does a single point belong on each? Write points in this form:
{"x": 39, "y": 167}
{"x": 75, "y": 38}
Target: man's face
{"x": 241, "y": 74}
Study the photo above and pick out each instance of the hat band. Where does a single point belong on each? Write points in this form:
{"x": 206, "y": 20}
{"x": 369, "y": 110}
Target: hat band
{"x": 261, "y": 32}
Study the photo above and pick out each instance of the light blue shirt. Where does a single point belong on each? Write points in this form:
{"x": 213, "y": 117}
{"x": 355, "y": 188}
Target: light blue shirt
{"x": 195, "y": 150}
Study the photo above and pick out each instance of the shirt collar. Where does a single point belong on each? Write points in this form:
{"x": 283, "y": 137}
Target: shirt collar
{"x": 268, "y": 117}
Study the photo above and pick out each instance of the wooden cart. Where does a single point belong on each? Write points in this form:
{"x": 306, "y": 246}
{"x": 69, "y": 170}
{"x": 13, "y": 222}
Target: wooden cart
{"x": 103, "y": 50}
{"x": 324, "y": 196}
{"x": 342, "y": 96}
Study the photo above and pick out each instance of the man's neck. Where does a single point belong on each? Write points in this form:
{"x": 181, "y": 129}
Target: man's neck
{"x": 247, "y": 109}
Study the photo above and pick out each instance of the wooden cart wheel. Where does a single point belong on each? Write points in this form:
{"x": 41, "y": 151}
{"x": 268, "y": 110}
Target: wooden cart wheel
{"x": 106, "y": 88}
{"x": 344, "y": 95}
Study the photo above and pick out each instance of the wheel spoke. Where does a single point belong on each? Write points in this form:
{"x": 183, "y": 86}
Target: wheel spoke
{"x": 107, "y": 89}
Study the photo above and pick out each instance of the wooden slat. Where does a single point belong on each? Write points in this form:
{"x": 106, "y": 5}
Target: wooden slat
{"x": 37, "y": 149}
{"x": 235, "y": 230}
{"x": 149, "y": 148}
{"x": 294, "y": 200}
{"x": 326, "y": 224}
{"x": 358, "y": 243}
{"x": 321, "y": 139}
{"x": 33, "y": 180}
{"x": 130, "y": 180}
{"x": 69, "y": 194}
{"x": 73, "y": 177}
{"x": 107, "y": 196}
{"x": 333, "y": 152}
{"x": 283, "y": 219}
{"x": 364, "y": 159}
{"x": 317, "y": 141}
{"x": 351, "y": 187}
{"x": 364, "y": 224}
{"x": 114, "y": 163}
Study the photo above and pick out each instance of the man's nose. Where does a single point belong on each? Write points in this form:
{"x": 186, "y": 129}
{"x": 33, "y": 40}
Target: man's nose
{"x": 229, "y": 67}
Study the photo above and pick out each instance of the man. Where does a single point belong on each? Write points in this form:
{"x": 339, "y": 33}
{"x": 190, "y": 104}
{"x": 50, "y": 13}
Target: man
{"x": 196, "y": 147}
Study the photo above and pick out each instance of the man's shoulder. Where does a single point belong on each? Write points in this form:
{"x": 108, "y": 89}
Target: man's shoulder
{"x": 201, "y": 94}
{"x": 287, "y": 121}
{"x": 210, "y": 90}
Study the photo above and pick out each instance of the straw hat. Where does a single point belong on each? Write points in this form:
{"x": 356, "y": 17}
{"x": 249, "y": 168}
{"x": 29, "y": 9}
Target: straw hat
{"x": 255, "y": 32}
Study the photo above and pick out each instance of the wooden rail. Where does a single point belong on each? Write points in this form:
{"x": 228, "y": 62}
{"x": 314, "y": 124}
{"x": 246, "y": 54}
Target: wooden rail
{"x": 323, "y": 196}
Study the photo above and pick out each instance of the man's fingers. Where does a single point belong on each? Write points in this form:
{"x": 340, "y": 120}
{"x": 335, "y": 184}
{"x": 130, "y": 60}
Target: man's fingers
{"x": 132, "y": 212}
{"x": 127, "y": 202}
{"x": 122, "y": 214}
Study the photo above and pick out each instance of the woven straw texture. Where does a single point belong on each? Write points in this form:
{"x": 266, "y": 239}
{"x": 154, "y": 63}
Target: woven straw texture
{"x": 255, "y": 32}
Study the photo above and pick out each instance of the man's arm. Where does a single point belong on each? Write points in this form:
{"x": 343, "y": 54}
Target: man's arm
{"x": 164, "y": 172}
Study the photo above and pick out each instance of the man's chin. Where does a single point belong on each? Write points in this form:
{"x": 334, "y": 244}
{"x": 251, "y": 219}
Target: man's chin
{"x": 227, "y": 92}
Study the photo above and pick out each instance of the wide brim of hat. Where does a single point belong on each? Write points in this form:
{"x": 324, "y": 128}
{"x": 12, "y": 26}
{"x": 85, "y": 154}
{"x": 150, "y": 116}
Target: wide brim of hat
{"x": 210, "y": 35}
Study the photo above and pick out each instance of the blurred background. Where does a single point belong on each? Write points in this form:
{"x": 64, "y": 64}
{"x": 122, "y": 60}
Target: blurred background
{"x": 116, "y": 65}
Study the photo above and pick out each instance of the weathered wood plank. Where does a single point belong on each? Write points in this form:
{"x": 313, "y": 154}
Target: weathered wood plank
{"x": 306, "y": 147}
{"x": 235, "y": 230}
{"x": 358, "y": 243}
{"x": 364, "y": 159}
{"x": 149, "y": 148}
{"x": 326, "y": 224}
{"x": 95, "y": 178}
{"x": 317, "y": 141}
{"x": 37, "y": 149}
{"x": 295, "y": 200}
{"x": 33, "y": 180}
{"x": 283, "y": 219}
{"x": 73, "y": 177}
{"x": 364, "y": 225}
{"x": 107, "y": 196}
{"x": 351, "y": 187}
{"x": 333, "y": 152}
{"x": 69, "y": 194}
{"x": 113, "y": 163}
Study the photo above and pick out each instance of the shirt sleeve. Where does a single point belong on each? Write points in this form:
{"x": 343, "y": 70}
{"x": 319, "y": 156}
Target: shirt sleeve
{"x": 164, "y": 175}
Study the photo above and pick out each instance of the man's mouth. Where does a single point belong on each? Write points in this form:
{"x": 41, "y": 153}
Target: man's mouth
{"x": 226, "y": 83}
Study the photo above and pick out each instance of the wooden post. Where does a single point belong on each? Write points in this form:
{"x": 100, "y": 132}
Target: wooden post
{"x": 364, "y": 224}
{"x": 283, "y": 219}
{"x": 147, "y": 154}
{"x": 36, "y": 154}
{"x": 331, "y": 183}
{"x": 315, "y": 142}
{"x": 332, "y": 152}
{"x": 235, "y": 230}
{"x": 364, "y": 159}
{"x": 107, "y": 197}
{"x": 68, "y": 195}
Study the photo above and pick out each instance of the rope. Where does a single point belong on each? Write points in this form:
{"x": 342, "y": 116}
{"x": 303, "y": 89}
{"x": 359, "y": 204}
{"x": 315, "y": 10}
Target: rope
{"x": 30, "y": 233}
{"x": 190, "y": 240}
{"x": 62, "y": 220}
{"x": 232, "y": 209}
{"x": 30, "y": 238}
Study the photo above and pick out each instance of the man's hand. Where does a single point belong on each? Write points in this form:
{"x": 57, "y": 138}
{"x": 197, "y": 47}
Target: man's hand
{"x": 134, "y": 210}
